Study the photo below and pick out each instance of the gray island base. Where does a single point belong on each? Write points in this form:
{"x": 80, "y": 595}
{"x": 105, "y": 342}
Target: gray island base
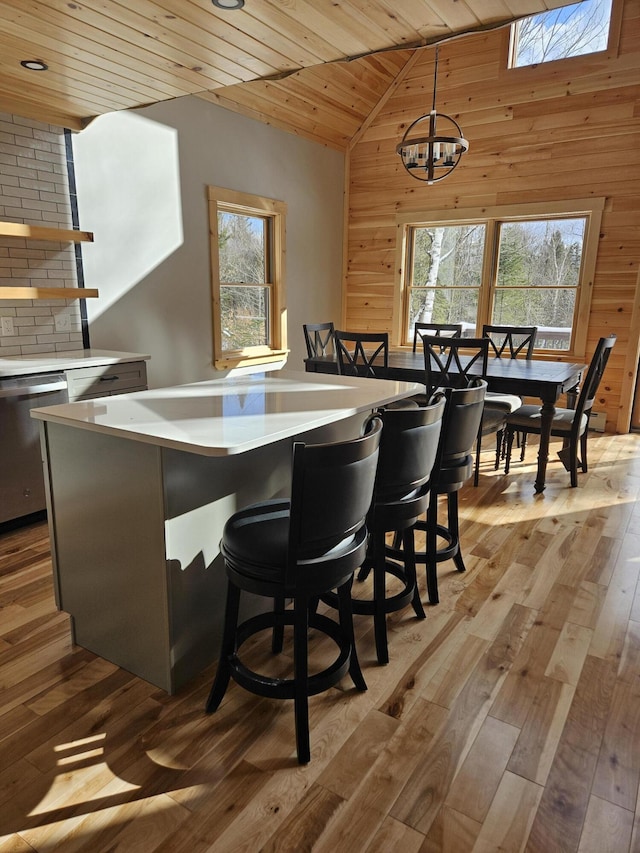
{"x": 139, "y": 488}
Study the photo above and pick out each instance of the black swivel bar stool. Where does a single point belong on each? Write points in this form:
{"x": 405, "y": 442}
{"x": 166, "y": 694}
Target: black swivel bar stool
{"x": 298, "y": 549}
{"x": 408, "y": 449}
{"x": 453, "y": 467}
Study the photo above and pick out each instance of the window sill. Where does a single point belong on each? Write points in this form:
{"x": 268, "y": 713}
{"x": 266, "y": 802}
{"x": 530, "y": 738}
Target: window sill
{"x": 229, "y": 362}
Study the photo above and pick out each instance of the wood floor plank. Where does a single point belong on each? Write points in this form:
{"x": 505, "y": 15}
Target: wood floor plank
{"x": 587, "y": 604}
{"x": 451, "y": 677}
{"x": 618, "y": 769}
{"x": 510, "y": 817}
{"x": 393, "y": 835}
{"x": 535, "y": 749}
{"x": 562, "y": 810}
{"x": 420, "y": 672}
{"x": 299, "y": 833}
{"x": 629, "y": 670}
{"x": 607, "y": 828}
{"x": 611, "y": 628}
{"x": 567, "y": 659}
{"x": 345, "y": 772}
{"x": 451, "y": 832}
{"x": 486, "y": 761}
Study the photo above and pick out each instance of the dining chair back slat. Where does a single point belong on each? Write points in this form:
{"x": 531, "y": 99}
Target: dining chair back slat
{"x": 511, "y": 340}
{"x": 319, "y": 339}
{"x": 362, "y": 353}
{"x": 454, "y": 362}
{"x": 444, "y": 330}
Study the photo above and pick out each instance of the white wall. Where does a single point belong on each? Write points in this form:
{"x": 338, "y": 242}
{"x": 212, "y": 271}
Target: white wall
{"x": 141, "y": 182}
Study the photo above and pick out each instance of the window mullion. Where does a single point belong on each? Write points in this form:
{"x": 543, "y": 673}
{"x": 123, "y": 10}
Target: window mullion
{"x": 489, "y": 273}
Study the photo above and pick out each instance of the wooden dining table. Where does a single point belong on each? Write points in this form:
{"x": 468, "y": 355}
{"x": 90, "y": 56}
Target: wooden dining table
{"x": 535, "y": 377}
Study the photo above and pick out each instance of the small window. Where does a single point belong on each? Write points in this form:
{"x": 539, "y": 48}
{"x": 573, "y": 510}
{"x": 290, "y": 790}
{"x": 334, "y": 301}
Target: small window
{"x": 247, "y": 265}
{"x": 573, "y": 30}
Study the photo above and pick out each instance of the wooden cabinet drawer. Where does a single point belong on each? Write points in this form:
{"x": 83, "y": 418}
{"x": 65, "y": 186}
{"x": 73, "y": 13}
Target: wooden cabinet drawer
{"x": 107, "y": 379}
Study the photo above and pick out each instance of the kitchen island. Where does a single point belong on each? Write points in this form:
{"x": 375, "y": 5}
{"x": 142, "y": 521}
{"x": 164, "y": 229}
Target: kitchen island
{"x": 139, "y": 487}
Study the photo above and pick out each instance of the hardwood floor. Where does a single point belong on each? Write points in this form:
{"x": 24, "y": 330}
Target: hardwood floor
{"x": 508, "y": 720}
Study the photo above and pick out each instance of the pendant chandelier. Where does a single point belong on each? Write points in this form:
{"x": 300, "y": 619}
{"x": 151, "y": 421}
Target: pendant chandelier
{"x": 435, "y": 149}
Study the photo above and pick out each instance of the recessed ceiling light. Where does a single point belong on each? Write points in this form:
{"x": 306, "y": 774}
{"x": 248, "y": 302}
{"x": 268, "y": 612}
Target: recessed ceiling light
{"x": 228, "y": 4}
{"x": 34, "y": 64}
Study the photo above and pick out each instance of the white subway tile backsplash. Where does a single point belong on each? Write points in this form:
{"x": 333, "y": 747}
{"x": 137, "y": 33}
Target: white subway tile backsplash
{"x": 36, "y": 349}
{"x": 34, "y": 189}
{"x": 34, "y": 272}
{"x": 36, "y": 204}
{"x": 19, "y": 214}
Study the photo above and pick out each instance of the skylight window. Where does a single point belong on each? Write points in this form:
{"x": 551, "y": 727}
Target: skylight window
{"x": 574, "y": 30}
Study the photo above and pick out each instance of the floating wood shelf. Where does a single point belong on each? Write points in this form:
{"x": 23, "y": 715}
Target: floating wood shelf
{"x": 48, "y": 293}
{"x": 39, "y": 232}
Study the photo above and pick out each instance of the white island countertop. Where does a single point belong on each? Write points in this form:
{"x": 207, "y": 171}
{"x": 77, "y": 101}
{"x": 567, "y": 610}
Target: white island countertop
{"x": 221, "y": 417}
{"x": 23, "y": 365}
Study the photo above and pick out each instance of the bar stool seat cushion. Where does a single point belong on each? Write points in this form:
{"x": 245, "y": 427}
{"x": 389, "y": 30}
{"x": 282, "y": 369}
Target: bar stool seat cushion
{"x": 256, "y": 542}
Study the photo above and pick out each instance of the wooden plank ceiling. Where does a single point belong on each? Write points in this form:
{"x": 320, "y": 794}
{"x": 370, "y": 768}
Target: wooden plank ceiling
{"x": 317, "y": 67}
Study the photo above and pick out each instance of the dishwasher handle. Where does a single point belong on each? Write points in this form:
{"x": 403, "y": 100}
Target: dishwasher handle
{"x": 28, "y": 390}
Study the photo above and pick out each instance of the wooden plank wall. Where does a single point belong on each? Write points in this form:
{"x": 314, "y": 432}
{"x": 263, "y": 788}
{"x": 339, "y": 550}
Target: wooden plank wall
{"x": 568, "y": 129}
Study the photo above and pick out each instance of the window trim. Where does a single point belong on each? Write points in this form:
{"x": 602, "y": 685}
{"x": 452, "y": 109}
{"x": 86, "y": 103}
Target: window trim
{"x": 234, "y": 201}
{"x": 592, "y": 208}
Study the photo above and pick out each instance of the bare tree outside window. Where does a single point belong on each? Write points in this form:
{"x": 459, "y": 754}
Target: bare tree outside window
{"x": 570, "y": 31}
{"x": 243, "y": 260}
{"x": 446, "y": 275}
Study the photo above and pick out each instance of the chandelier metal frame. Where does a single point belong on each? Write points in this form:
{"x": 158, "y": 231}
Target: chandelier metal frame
{"x": 433, "y": 157}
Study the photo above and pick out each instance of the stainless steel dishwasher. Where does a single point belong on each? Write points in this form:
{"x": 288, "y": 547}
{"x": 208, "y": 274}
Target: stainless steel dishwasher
{"x": 21, "y": 476}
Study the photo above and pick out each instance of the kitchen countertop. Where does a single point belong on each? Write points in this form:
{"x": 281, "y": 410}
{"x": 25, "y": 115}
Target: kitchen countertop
{"x": 23, "y": 365}
{"x": 221, "y": 417}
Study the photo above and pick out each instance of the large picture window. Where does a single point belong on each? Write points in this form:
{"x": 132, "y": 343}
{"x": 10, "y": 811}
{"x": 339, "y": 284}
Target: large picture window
{"x": 247, "y": 266}
{"x": 512, "y": 266}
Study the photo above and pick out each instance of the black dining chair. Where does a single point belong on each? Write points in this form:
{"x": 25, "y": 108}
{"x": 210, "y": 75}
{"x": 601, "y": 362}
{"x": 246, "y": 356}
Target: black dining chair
{"x": 319, "y": 340}
{"x": 296, "y": 550}
{"x": 508, "y": 342}
{"x": 452, "y": 469}
{"x": 366, "y": 354}
{"x": 572, "y": 425}
{"x": 408, "y": 450}
{"x": 362, "y": 353}
{"x": 452, "y": 363}
{"x": 511, "y": 341}
{"x": 446, "y": 330}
